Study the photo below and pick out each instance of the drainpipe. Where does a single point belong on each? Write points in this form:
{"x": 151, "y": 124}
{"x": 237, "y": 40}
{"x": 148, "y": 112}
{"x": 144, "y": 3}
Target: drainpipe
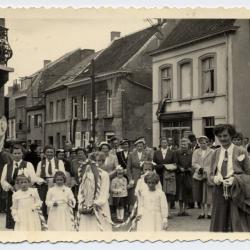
{"x": 227, "y": 78}
{"x": 66, "y": 110}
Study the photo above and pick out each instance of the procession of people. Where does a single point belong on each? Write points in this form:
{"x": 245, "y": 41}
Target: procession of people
{"x": 125, "y": 184}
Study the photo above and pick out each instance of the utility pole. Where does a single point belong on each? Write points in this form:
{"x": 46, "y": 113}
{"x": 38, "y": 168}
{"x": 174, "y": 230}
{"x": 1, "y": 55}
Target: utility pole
{"x": 92, "y": 121}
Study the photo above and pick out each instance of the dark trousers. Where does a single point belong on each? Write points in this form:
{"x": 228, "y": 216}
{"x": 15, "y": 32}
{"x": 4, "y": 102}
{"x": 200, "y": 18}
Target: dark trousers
{"x": 221, "y": 212}
{"x": 3, "y": 198}
{"x": 10, "y": 224}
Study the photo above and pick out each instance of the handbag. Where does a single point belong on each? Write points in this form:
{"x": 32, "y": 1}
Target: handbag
{"x": 170, "y": 167}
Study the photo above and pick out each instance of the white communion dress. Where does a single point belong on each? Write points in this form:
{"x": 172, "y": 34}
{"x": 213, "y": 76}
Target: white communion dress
{"x": 60, "y": 216}
{"x": 24, "y": 210}
{"x": 153, "y": 208}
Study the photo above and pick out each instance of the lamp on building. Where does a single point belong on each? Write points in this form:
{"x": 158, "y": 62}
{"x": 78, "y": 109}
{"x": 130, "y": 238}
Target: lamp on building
{"x": 5, "y": 49}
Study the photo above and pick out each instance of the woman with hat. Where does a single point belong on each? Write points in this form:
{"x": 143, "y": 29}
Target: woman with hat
{"x": 202, "y": 187}
{"x": 111, "y": 161}
{"x": 135, "y": 166}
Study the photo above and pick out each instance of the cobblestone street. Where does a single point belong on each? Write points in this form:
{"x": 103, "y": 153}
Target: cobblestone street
{"x": 188, "y": 223}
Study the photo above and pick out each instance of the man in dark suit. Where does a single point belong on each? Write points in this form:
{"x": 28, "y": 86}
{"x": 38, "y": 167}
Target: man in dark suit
{"x": 122, "y": 155}
{"x": 230, "y": 172}
{"x": 162, "y": 157}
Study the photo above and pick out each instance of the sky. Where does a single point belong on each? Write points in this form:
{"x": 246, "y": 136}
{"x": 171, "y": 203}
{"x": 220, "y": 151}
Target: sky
{"x": 36, "y": 39}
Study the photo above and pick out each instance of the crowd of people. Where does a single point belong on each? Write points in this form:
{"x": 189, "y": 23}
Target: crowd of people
{"x": 119, "y": 183}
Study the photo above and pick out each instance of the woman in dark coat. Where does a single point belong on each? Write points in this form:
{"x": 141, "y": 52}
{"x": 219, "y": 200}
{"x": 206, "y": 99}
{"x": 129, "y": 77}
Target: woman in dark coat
{"x": 163, "y": 157}
{"x": 184, "y": 176}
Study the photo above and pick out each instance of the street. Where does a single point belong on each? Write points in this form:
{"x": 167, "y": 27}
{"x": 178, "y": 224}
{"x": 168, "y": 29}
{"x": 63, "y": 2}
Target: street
{"x": 188, "y": 223}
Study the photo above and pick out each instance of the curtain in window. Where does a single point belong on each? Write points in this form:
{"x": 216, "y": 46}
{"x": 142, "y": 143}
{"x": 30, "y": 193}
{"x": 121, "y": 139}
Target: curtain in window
{"x": 185, "y": 76}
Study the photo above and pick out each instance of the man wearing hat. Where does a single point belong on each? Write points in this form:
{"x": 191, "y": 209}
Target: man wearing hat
{"x": 122, "y": 155}
{"x": 135, "y": 164}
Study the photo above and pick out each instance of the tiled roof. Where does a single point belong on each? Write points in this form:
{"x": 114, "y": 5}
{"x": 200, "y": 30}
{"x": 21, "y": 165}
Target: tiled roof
{"x": 74, "y": 71}
{"x": 51, "y": 64}
{"x": 121, "y": 50}
{"x": 189, "y": 30}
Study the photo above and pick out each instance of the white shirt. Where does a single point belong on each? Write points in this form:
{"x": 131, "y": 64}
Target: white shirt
{"x": 230, "y": 170}
{"x": 139, "y": 155}
{"x": 53, "y": 166}
{"x": 164, "y": 152}
{"x": 203, "y": 152}
{"x": 125, "y": 154}
{"x": 28, "y": 171}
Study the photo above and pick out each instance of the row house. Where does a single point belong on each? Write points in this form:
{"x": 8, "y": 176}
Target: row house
{"x": 201, "y": 75}
{"x": 5, "y": 55}
{"x": 29, "y": 101}
{"x": 123, "y": 93}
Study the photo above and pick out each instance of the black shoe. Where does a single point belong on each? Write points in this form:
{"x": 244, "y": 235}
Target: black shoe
{"x": 209, "y": 217}
{"x": 201, "y": 217}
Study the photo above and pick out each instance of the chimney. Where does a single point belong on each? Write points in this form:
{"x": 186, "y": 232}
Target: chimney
{"x": 46, "y": 62}
{"x": 114, "y": 35}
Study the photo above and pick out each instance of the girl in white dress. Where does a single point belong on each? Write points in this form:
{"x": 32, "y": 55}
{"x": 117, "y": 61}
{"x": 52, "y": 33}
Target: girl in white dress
{"x": 152, "y": 206}
{"x": 147, "y": 167}
{"x": 60, "y": 201}
{"x": 26, "y": 203}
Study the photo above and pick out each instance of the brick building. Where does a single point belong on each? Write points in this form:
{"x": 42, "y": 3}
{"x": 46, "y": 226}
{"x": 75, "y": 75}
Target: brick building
{"x": 29, "y": 101}
{"x": 123, "y": 87}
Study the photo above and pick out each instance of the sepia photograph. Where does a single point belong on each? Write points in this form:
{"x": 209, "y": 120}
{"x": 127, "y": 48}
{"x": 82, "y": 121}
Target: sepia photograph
{"x": 112, "y": 122}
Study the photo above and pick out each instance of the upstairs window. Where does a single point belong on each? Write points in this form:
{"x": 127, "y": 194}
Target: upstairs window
{"x": 109, "y": 103}
{"x": 166, "y": 82}
{"x": 51, "y": 111}
{"x": 208, "y": 75}
{"x": 84, "y": 107}
{"x": 185, "y": 79}
{"x": 63, "y": 108}
{"x": 58, "y": 104}
{"x": 38, "y": 120}
{"x": 74, "y": 108}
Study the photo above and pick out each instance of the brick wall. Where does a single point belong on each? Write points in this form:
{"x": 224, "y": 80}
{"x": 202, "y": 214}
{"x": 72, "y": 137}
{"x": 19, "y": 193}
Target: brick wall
{"x": 137, "y": 109}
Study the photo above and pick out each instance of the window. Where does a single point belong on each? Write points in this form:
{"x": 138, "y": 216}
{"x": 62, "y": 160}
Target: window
{"x": 51, "y": 140}
{"x": 74, "y": 108}
{"x": 28, "y": 122}
{"x": 96, "y": 107}
{"x": 63, "y": 140}
{"x": 38, "y": 120}
{"x": 85, "y": 139}
{"x": 63, "y": 109}
{"x": 84, "y": 107}
{"x": 51, "y": 111}
{"x": 58, "y": 103}
{"x": 208, "y": 126}
{"x": 58, "y": 137}
{"x": 185, "y": 79}
{"x": 208, "y": 75}
{"x": 166, "y": 82}
{"x": 108, "y": 136}
{"x": 109, "y": 103}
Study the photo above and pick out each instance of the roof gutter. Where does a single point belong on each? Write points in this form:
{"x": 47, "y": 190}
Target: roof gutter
{"x": 153, "y": 53}
{"x": 98, "y": 78}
